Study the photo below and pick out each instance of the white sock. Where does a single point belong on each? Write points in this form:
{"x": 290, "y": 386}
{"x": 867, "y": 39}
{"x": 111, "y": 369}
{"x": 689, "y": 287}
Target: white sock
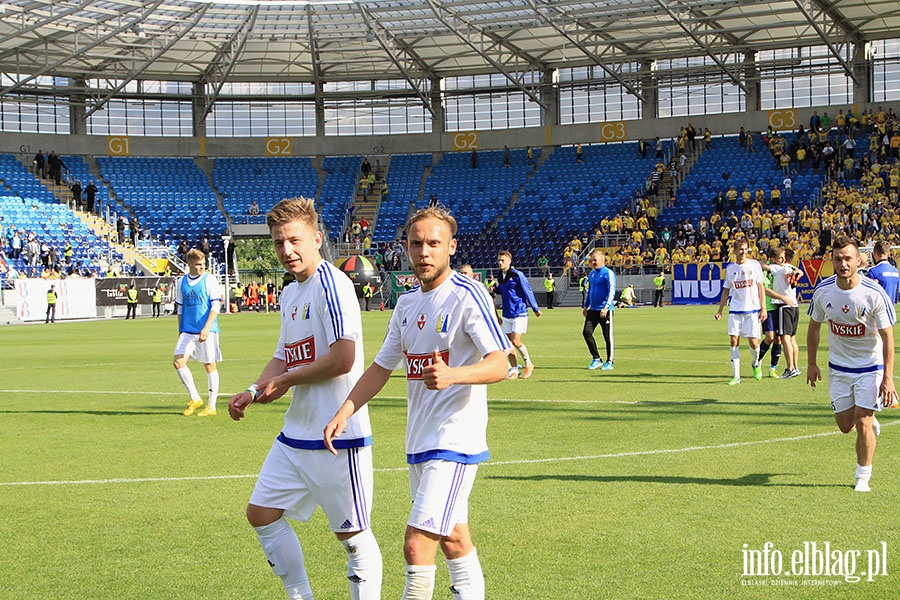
{"x": 736, "y": 361}
{"x": 188, "y": 380}
{"x": 363, "y": 566}
{"x": 754, "y": 357}
{"x": 863, "y": 473}
{"x": 524, "y": 352}
{"x": 466, "y": 577}
{"x": 282, "y": 549}
{"x": 213, "y": 380}
{"x": 419, "y": 582}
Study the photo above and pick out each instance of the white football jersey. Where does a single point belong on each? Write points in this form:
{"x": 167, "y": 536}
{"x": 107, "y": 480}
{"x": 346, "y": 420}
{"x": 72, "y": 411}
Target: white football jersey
{"x": 457, "y": 319}
{"x": 315, "y": 314}
{"x": 742, "y": 280}
{"x": 853, "y": 318}
{"x": 781, "y": 284}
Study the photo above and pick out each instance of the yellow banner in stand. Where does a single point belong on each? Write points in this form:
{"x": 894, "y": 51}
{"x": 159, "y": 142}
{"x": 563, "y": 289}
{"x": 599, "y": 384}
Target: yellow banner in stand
{"x": 784, "y": 119}
{"x": 279, "y": 146}
{"x": 118, "y": 145}
{"x": 465, "y": 140}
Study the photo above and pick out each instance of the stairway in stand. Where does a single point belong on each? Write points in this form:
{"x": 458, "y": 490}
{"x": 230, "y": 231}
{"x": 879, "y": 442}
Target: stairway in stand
{"x": 100, "y": 227}
{"x": 365, "y": 206}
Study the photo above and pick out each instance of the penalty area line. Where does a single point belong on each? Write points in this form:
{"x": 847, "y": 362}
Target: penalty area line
{"x": 499, "y": 463}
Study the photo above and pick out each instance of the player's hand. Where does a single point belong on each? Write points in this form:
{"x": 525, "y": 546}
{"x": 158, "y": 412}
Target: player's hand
{"x": 538, "y": 314}
{"x": 763, "y": 315}
{"x": 437, "y": 375}
{"x": 813, "y": 375}
{"x": 272, "y": 389}
{"x": 583, "y": 312}
{"x": 238, "y": 403}
{"x": 333, "y": 430}
{"x": 888, "y": 393}
{"x": 718, "y": 315}
{"x": 603, "y": 313}
{"x": 203, "y": 336}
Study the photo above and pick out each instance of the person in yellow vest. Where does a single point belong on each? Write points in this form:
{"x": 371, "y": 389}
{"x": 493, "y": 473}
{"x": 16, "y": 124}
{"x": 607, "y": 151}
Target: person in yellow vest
{"x": 68, "y": 253}
{"x": 550, "y": 288}
{"x": 51, "y": 305}
{"x": 659, "y": 283}
{"x": 583, "y": 287}
{"x": 368, "y": 291}
{"x": 156, "y": 295}
{"x": 132, "y": 296}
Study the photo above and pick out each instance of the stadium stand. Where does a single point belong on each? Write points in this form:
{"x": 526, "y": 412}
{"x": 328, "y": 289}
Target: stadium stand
{"x": 266, "y": 180}
{"x": 342, "y": 174}
{"x": 404, "y": 178}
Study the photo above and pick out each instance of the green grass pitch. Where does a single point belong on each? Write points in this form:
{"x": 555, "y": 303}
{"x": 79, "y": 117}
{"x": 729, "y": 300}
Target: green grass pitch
{"x": 642, "y": 482}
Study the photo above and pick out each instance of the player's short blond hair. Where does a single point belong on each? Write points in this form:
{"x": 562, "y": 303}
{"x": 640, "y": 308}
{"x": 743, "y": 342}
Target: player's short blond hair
{"x": 432, "y": 212}
{"x": 194, "y": 255}
{"x": 293, "y": 209}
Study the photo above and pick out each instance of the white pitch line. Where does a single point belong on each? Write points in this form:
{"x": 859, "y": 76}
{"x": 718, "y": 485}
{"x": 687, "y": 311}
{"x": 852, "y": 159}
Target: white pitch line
{"x": 500, "y": 463}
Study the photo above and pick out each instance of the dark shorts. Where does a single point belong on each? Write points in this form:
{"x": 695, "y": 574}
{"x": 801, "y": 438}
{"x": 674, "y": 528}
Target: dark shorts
{"x": 786, "y": 319}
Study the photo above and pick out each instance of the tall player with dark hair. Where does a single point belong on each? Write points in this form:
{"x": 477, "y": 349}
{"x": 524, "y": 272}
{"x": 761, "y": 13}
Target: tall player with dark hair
{"x": 860, "y": 320}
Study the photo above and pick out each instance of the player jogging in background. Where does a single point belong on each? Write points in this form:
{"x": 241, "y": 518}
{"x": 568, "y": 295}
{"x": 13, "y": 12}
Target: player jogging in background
{"x": 744, "y": 285}
{"x": 444, "y": 334}
{"x": 517, "y": 296}
{"x": 598, "y": 309}
{"x": 860, "y": 320}
{"x": 199, "y": 302}
{"x": 320, "y": 356}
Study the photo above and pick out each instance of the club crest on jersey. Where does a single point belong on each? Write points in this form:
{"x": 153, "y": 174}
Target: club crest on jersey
{"x": 420, "y": 322}
{"x": 845, "y": 309}
{"x": 860, "y": 311}
{"x": 416, "y": 363}
{"x": 442, "y": 321}
{"x": 300, "y": 353}
{"x": 305, "y": 314}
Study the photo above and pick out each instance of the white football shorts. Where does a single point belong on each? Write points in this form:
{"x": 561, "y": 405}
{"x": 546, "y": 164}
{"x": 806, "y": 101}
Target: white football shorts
{"x": 297, "y": 481}
{"x": 515, "y": 325}
{"x": 854, "y": 389}
{"x": 207, "y": 352}
{"x": 745, "y": 325}
{"x": 440, "y": 491}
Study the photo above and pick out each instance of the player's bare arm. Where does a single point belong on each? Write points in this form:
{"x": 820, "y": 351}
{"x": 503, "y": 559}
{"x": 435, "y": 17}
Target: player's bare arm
{"x": 491, "y": 368}
{"x": 762, "y": 302}
{"x": 722, "y": 302}
{"x": 204, "y": 333}
{"x": 238, "y": 403}
{"x": 813, "y": 331}
{"x": 371, "y": 382}
{"x": 338, "y": 361}
{"x": 888, "y": 391}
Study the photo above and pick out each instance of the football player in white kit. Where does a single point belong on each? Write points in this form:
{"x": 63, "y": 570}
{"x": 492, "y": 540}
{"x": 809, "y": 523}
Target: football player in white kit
{"x": 445, "y": 334}
{"x": 860, "y": 320}
{"x": 744, "y": 285}
{"x": 320, "y": 355}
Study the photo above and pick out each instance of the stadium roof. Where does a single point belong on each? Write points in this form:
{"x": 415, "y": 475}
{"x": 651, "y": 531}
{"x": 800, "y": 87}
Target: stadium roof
{"x": 320, "y": 41}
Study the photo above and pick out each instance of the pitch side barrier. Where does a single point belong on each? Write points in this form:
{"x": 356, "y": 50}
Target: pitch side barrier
{"x": 89, "y": 298}
{"x": 702, "y": 284}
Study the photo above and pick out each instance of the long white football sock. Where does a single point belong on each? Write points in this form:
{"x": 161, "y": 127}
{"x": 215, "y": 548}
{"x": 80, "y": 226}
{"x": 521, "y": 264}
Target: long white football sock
{"x": 213, "y": 380}
{"x": 736, "y": 361}
{"x": 524, "y": 352}
{"x": 282, "y": 549}
{"x": 188, "y": 380}
{"x": 754, "y": 357}
{"x": 419, "y": 582}
{"x": 363, "y": 566}
{"x": 466, "y": 577}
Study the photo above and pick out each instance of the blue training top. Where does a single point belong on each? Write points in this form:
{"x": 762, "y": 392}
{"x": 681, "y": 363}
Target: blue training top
{"x": 887, "y": 276}
{"x": 515, "y": 292}
{"x": 601, "y": 289}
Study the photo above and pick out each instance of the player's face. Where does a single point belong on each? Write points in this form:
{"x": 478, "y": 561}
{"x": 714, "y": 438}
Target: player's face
{"x": 846, "y": 262}
{"x": 504, "y": 262}
{"x": 297, "y": 246}
{"x": 467, "y": 271}
{"x": 596, "y": 261}
{"x": 740, "y": 252}
{"x": 197, "y": 268}
{"x": 429, "y": 245}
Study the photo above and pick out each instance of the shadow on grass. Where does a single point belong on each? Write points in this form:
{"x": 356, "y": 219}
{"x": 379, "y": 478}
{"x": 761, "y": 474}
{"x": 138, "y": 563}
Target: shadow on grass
{"x": 753, "y": 480}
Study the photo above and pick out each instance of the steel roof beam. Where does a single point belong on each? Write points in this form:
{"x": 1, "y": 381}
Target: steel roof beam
{"x": 698, "y": 36}
{"x": 820, "y": 31}
{"x": 532, "y": 63}
{"x": 233, "y": 47}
